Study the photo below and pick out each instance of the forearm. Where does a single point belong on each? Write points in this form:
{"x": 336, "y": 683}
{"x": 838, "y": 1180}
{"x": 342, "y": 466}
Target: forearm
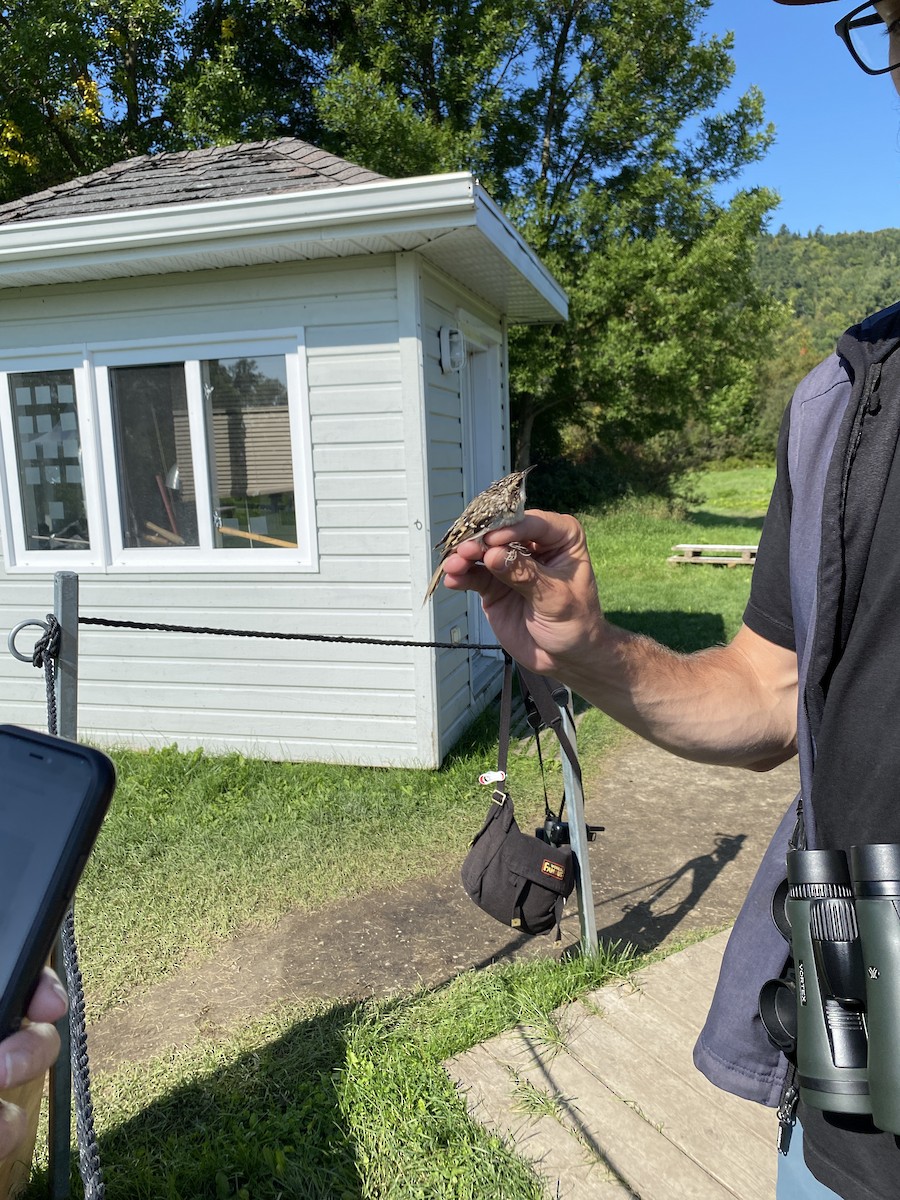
{"x": 734, "y": 705}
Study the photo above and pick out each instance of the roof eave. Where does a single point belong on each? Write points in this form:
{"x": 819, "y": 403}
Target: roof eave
{"x": 422, "y": 213}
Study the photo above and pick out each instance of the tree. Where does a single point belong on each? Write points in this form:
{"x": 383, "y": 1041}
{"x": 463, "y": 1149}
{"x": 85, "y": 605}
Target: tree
{"x": 49, "y": 105}
{"x": 416, "y": 88}
{"x": 825, "y": 283}
{"x": 81, "y": 86}
{"x": 138, "y": 55}
{"x": 663, "y": 330}
{"x": 663, "y": 308}
{"x": 252, "y": 68}
{"x": 594, "y": 124}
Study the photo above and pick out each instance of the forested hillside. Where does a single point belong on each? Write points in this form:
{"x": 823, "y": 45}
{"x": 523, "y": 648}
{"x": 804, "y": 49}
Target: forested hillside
{"x": 827, "y": 282}
{"x": 830, "y": 281}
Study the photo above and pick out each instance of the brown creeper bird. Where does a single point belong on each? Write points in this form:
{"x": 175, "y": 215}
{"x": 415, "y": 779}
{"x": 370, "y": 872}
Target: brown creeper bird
{"x": 497, "y": 506}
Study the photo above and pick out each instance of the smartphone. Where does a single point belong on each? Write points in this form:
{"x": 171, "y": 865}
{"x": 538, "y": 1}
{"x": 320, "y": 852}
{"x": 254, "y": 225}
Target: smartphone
{"x": 53, "y": 797}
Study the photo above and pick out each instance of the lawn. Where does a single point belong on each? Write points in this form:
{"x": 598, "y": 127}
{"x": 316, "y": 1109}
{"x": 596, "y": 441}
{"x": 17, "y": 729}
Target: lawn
{"x": 348, "y": 1100}
{"x": 687, "y": 607}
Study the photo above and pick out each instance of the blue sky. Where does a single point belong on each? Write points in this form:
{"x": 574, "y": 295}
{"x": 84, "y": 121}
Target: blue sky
{"x": 836, "y": 161}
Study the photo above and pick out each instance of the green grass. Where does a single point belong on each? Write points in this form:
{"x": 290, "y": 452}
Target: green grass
{"x": 197, "y": 847}
{"x": 686, "y": 607}
{"x": 331, "y": 1103}
{"x": 349, "y": 1100}
{"x": 744, "y": 491}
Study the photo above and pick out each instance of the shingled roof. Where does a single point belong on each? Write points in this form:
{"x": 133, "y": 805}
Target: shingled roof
{"x": 192, "y": 176}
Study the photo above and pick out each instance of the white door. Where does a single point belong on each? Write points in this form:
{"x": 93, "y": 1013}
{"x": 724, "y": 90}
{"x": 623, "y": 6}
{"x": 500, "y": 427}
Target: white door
{"x": 484, "y": 463}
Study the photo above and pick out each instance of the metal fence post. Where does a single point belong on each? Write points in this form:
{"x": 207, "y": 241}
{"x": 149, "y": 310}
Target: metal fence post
{"x": 578, "y": 832}
{"x": 65, "y": 609}
{"x": 59, "y": 1135}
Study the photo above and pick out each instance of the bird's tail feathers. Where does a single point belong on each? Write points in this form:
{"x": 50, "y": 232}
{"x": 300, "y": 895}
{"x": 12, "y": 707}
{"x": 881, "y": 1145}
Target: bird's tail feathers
{"x": 435, "y": 580}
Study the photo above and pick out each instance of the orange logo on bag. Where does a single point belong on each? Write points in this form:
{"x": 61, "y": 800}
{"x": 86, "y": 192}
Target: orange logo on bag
{"x": 549, "y": 867}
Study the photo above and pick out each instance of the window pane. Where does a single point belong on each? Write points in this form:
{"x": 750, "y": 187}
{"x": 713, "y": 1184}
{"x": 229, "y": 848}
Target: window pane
{"x": 48, "y": 456}
{"x": 153, "y": 453}
{"x": 251, "y": 471}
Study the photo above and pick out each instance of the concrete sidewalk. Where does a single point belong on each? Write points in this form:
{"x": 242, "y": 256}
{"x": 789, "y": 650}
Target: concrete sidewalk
{"x": 607, "y": 1103}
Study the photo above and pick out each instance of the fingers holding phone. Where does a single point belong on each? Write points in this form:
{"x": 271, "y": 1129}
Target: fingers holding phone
{"x": 32, "y": 1050}
{"x": 48, "y": 1004}
{"x": 26, "y": 1056}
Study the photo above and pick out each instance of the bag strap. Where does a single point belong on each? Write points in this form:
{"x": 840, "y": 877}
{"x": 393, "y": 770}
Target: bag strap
{"x": 499, "y": 794}
{"x": 542, "y": 711}
{"x": 798, "y": 839}
{"x": 538, "y": 692}
{"x": 548, "y": 811}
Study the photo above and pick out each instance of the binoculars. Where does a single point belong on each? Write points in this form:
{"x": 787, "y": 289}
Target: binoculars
{"x": 836, "y": 1009}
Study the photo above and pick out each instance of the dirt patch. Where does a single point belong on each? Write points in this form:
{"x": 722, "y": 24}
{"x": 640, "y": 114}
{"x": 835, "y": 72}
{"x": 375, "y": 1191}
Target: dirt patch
{"x": 681, "y": 845}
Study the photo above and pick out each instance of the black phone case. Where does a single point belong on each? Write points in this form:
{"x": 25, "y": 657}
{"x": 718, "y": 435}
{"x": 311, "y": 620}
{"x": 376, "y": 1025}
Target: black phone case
{"x": 59, "y": 888}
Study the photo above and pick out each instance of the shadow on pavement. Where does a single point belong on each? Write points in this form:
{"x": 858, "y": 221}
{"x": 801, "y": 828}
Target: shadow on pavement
{"x": 660, "y": 905}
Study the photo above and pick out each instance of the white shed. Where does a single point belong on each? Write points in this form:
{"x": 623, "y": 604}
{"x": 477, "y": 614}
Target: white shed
{"x": 223, "y": 402}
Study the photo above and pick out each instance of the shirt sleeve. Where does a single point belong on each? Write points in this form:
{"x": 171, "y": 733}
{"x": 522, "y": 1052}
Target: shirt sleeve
{"x": 768, "y": 610}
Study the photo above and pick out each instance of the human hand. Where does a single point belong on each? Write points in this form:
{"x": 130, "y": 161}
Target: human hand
{"x": 543, "y": 606}
{"x": 735, "y": 705}
{"x": 26, "y": 1054}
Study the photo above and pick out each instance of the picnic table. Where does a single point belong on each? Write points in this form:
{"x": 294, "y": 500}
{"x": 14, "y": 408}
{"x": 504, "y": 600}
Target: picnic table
{"x": 718, "y": 555}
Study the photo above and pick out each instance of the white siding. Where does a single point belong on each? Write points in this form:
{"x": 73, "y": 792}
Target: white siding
{"x": 279, "y": 699}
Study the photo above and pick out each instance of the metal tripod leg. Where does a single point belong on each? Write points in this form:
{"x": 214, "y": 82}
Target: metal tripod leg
{"x": 578, "y": 832}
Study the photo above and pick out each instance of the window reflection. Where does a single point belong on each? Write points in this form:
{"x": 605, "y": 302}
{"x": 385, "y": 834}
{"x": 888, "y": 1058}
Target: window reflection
{"x": 153, "y": 452}
{"x": 48, "y": 459}
{"x": 249, "y": 444}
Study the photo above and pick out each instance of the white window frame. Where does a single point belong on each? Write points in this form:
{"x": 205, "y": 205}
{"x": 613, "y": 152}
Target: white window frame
{"x": 108, "y": 552}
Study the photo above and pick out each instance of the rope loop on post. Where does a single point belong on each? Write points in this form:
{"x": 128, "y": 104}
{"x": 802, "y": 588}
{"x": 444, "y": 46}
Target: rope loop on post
{"x": 48, "y": 645}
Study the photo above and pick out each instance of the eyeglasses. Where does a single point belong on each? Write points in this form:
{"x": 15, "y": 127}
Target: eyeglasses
{"x": 866, "y": 35}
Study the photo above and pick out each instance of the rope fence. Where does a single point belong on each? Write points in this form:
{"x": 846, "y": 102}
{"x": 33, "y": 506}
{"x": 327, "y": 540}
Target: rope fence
{"x": 336, "y": 639}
